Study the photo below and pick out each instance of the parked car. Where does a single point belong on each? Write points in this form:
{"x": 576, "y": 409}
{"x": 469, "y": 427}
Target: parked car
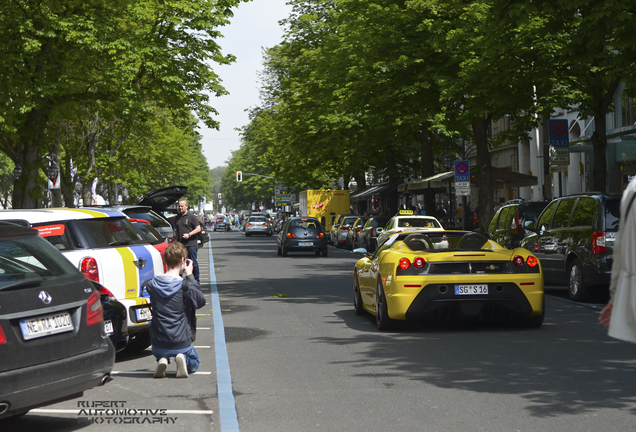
{"x": 343, "y": 229}
{"x": 221, "y": 224}
{"x": 368, "y": 235}
{"x": 507, "y": 226}
{"x": 152, "y": 236}
{"x": 333, "y": 233}
{"x": 437, "y": 275}
{"x": 406, "y": 221}
{"x": 115, "y": 318}
{"x": 300, "y": 234}
{"x": 574, "y": 239}
{"x": 356, "y": 227}
{"x": 107, "y": 248}
{"x": 52, "y": 341}
{"x": 258, "y": 225}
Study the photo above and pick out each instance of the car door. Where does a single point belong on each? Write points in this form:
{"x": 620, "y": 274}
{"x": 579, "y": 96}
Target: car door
{"x": 502, "y": 235}
{"x": 562, "y": 238}
{"x": 536, "y": 241}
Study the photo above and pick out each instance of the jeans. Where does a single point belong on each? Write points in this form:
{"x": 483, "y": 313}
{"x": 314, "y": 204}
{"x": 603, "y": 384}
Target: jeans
{"x": 192, "y": 359}
{"x": 192, "y": 254}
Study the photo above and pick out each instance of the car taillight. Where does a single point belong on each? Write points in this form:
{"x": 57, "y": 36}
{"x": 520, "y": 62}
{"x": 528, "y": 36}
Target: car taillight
{"x": 374, "y": 233}
{"x": 94, "y": 309}
{"x": 358, "y": 230}
{"x": 106, "y": 291}
{"x": 515, "y": 223}
{"x": 290, "y": 235}
{"x": 170, "y": 239}
{"x": 344, "y": 228}
{"x": 532, "y": 261}
{"x": 89, "y": 268}
{"x": 518, "y": 260}
{"x": 265, "y": 224}
{"x": 3, "y": 337}
{"x": 404, "y": 263}
{"x": 598, "y": 242}
{"x": 320, "y": 235}
{"x": 248, "y": 223}
{"x": 419, "y": 262}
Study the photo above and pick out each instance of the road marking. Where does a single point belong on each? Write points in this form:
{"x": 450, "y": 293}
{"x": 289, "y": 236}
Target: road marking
{"x": 134, "y": 373}
{"x": 227, "y": 404}
{"x": 202, "y": 346}
{"x": 587, "y": 305}
{"x": 76, "y": 411}
{"x": 203, "y": 328}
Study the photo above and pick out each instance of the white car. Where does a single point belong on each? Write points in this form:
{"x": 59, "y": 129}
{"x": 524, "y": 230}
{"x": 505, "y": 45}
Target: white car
{"x": 106, "y": 247}
{"x": 406, "y": 221}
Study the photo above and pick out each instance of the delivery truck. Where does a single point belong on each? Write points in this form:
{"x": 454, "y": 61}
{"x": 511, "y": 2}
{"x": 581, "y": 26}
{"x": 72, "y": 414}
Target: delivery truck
{"x": 324, "y": 205}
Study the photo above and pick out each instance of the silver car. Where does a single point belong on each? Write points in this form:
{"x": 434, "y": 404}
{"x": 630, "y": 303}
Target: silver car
{"x": 258, "y": 225}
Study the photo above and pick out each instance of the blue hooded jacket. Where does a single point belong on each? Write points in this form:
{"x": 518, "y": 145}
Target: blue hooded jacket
{"x": 169, "y": 327}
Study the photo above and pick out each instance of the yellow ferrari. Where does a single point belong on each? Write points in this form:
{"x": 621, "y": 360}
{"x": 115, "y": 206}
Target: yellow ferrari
{"x": 438, "y": 276}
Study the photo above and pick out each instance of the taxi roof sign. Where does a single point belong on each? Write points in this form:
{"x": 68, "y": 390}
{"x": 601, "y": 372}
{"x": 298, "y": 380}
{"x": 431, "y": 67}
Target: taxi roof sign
{"x": 405, "y": 212}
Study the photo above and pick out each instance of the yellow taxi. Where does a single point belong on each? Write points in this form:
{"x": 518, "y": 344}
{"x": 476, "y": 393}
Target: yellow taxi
{"x": 440, "y": 275}
{"x": 407, "y": 221}
{"x": 107, "y": 248}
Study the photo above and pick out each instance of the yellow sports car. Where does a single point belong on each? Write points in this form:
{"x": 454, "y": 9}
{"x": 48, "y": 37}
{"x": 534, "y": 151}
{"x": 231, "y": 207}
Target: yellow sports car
{"x": 435, "y": 276}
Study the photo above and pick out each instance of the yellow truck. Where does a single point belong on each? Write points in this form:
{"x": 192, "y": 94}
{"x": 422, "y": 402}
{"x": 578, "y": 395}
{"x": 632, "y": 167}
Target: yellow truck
{"x": 324, "y": 205}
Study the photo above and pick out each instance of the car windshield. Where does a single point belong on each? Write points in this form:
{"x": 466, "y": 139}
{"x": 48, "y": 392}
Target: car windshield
{"x": 612, "y": 214}
{"x": 28, "y": 261}
{"x": 442, "y": 241}
{"x": 418, "y": 223}
{"x": 110, "y": 232}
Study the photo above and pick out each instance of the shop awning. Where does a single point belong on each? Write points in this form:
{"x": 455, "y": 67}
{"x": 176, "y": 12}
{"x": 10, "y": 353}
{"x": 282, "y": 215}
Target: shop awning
{"x": 437, "y": 181}
{"x": 503, "y": 178}
{"x": 373, "y": 190}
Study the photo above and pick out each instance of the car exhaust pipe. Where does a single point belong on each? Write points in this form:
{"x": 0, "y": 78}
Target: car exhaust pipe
{"x": 105, "y": 379}
{"x": 443, "y": 289}
{"x": 4, "y": 407}
{"x": 499, "y": 288}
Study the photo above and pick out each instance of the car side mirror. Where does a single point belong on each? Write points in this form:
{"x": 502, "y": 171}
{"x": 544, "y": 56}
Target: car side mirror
{"x": 529, "y": 225}
{"x": 379, "y": 230}
{"x": 361, "y": 252}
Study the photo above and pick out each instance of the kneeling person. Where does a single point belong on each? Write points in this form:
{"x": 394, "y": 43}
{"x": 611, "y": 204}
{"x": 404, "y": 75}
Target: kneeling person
{"x": 173, "y": 300}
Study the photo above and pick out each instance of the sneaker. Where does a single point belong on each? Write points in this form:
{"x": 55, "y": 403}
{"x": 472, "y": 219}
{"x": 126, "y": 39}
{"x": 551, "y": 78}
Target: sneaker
{"x": 182, "y": 371}
{"x": 162, "y": 364}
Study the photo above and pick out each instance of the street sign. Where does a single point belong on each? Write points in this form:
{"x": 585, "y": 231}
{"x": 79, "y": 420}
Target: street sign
{"x": 559, "y": 143}
{"x": 462, "y": 171}
{"x": 462, "y": 188}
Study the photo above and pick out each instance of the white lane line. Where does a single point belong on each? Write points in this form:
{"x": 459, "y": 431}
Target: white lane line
{"x": 134, "y": 373}
{"x": 202, "y": 346}
{"x": 203, "y": 328}
{"x": 76, "y": 411}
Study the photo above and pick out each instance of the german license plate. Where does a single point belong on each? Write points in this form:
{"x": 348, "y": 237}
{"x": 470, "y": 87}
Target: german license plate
{"x": 471, "y": 289}
{"x": 46, "y": 325}
{"x": 143, "y": 314}
{"x": 108, "y": 328}
{"x": 308, "y": 244}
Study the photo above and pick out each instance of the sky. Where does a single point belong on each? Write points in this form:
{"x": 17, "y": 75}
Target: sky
{"x": 254, "y": 26}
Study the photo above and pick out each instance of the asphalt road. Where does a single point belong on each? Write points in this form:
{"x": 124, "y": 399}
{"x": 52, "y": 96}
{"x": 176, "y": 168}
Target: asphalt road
{"x": 300, "y": 360}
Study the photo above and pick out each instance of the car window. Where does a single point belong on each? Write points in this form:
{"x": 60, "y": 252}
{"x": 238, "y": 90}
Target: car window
{"x": 151, "y": 217}
{"x": 546, "y": 216}
{"x": 530, "y": 212}
{"x": 149, "y": 233}
{"x": 493, "y": 222}
{"x": 29, "y": 260}
{"x": 612, "y": 214}
{"x": 417, "y": 223}
{"x": 258, "y": 219}
{"x": 110, "y": 232}
{"x": 584, "y": 212}
{"x": 349, "y": 220}
{"x": 58, "y": 235}
{"x": 562, "y": 215}
{"x": 505, "y": 217}
{"x": 368, "y": 223}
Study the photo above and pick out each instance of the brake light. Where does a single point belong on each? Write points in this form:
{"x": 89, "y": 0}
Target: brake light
{"x": 518, "y": 260}
{"x": 291, "y": 236}
{"x": 532, "y": 261}
{"x": 374, "y": 233}
{"x": 598, "y": 242}
{"x": 320, "y": 235}
{"x": 249, "y": 223}
{"x": 170, "y": 239}
{"x": 344, "y": 228}
{"x": 106, "y": 291}
{"x": 515, "y": 223}
{"x": 265, "y": 224}
{"x": 94, "y": 309}
{"x": 89, "y": 268}
{"x": 358, "y": 230}
{"x": 404, "y": 263}
{"x": 419, "y": 262}
{"x": 3, "y": 337}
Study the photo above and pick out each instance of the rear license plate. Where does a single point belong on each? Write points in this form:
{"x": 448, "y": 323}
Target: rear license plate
{"x": 308, "y": 244}
{"x": 46, "y": 325}
{"x": 108, "y": 328}
{"x": 143, "y": 314}
{"x": 471, "y": 289}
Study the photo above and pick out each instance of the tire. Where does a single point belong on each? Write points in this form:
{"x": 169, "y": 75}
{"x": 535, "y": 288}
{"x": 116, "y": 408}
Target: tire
{"x": 357, "y": 297}
{"x": 317, "y": 253}
{"x": 535, "y": 321}
{"x": 576, "y": 285}
{"x": 284, "y": 251}
{"x": 325, "y": 252}
{"x": 139, "y": 342}
{"x": 278, "y": 251}
{"x": 382, "y": 320}
{"x": 247, "y": 234}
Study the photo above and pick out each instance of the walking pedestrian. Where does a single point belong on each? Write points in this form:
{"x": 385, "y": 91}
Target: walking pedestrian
{"x": 174, "y": 300}
{"x": 187, "y": 227}
{"x": 620, "y": 313}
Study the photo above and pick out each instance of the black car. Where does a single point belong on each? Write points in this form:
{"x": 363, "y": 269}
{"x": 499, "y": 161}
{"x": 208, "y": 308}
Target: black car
{"x": 574, "y": 240}
{"x": 302, "y": 234}
{"x": 368, "y": 235}
{"x": 52, "y": 341}
{"x": 507, "y": 226}
{"x": 115, "y": 322}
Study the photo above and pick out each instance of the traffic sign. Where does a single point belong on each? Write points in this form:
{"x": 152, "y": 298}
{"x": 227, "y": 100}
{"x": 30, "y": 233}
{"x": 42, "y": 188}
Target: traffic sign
{"x": 559, "y": 136}
{"x": 462, "y": 171}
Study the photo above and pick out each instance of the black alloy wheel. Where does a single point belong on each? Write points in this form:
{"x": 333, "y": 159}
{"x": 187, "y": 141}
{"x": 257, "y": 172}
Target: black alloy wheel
{"x": 382, "y": 320}
{"x": 325, "y": 252}
{"x": 576, "y": 285}
{"x": 357, "y": 297}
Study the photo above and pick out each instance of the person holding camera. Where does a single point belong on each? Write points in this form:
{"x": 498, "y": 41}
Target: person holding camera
{"x": 188, "y": 227}
{"x": 174, "y": 300}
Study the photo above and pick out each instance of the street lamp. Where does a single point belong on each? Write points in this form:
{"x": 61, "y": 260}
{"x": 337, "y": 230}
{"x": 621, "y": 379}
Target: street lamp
{"x": 17, "y": 172}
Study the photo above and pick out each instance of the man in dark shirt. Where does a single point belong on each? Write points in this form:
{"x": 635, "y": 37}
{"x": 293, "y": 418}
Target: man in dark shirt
{"x": 188, "y": 227}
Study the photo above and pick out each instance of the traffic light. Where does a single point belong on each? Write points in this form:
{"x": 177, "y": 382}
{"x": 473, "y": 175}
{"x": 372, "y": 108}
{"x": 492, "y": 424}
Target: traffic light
{"x": 239, "y": 176}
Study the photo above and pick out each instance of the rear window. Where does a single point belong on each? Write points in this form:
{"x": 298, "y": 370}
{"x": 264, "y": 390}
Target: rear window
{"x": 148, "y": 232}
{"x": 612, "y": 214}
{"x": 531, "y": 212}
{"x": 153, "y": 218}
{"x": 305, "y": 223}
{"x": 258, "y": 219}
{"x": 27, "y": 261}
{"x": 418, "y": 223}
{"x": 58, "y": 234}
{"x": 110, "y": 232}
{"x": 349, "y": 220}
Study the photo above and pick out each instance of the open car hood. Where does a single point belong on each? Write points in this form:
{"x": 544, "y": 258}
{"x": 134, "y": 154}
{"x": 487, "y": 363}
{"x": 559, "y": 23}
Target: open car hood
{"x": 161, "y": 199}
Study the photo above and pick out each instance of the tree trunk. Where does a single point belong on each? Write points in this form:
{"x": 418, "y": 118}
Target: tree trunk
{"x": 428, "y": 166}
{"x": 602, "y": 102}
{"x": 485, "y": 183}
